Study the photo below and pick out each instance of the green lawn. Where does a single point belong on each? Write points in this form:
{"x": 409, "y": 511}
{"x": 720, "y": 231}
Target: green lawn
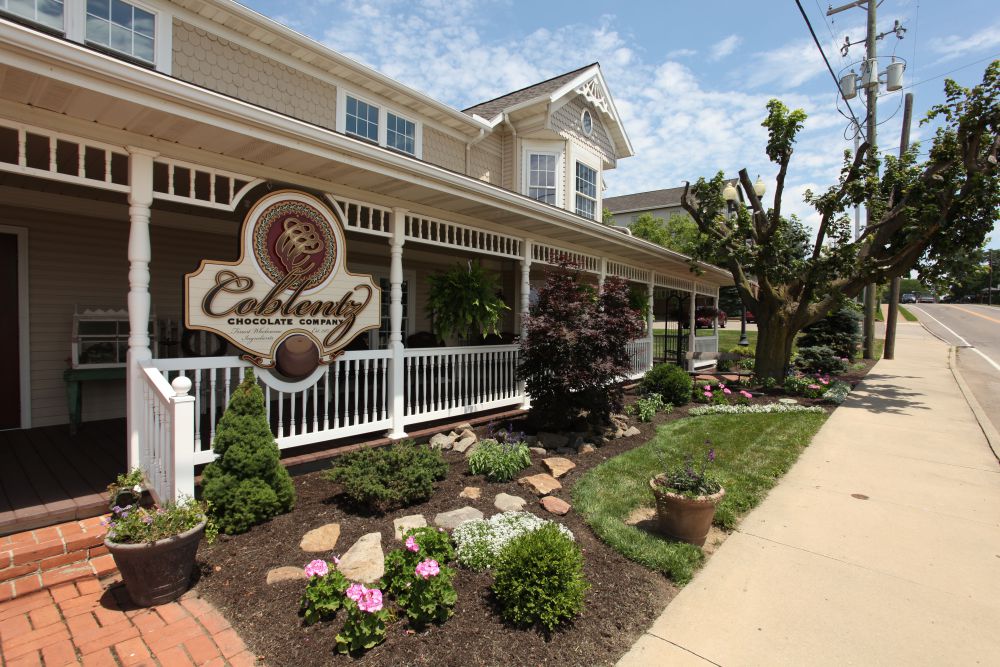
{"x": 752, "y": 452}
{"x": 907, "y": 315}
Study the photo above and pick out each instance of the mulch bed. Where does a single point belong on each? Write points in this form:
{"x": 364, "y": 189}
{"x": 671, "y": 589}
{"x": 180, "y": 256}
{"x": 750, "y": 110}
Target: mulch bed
{"x": 621, "y": 604}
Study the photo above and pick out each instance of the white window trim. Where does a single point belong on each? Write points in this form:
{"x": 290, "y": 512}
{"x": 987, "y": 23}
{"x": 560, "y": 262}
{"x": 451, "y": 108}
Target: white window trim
{"x": 75, "y": 26}
{"x": 578, "y": 154}
{"x": 383, "y": 121}
{"x": 556, "y": 148}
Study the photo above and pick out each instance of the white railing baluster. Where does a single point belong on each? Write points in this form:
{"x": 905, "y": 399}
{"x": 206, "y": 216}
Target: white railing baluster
{"x": 364, "y": 390}
{"x": 326, "y": 397}
{"x": 354, "y": 410}
{"x": 211, "y": 402}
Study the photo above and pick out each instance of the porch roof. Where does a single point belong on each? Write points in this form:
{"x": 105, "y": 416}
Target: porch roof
{"x": 92, "y": 95}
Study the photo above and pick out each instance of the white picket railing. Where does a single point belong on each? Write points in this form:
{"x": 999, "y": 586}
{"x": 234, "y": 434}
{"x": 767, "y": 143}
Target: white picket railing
{"x": 639, "y": 351}
{"x": 166, "y": 444}
{"x": 448, "y": 381}
{"x": 706, "y": 343}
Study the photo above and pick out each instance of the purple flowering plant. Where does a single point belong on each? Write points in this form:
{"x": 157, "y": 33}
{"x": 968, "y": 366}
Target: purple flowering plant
{"x": 687, "y": 478}
{"x": 134, "y": 524}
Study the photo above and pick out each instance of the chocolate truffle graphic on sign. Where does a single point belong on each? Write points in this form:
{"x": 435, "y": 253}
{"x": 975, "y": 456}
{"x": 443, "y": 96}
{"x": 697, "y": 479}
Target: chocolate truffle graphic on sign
{"x": 289, "y": 302}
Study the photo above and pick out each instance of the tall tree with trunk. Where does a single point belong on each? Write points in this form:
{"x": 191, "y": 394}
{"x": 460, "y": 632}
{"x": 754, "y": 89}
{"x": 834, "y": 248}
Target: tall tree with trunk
{"x": 925, "y": 216}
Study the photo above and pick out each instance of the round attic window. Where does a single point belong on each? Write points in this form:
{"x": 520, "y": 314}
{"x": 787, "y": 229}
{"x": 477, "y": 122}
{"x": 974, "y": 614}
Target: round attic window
{"x": 587, "y": 121}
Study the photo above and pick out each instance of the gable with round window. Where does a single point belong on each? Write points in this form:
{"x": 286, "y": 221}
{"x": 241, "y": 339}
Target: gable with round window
{"x": 587, "y": 122}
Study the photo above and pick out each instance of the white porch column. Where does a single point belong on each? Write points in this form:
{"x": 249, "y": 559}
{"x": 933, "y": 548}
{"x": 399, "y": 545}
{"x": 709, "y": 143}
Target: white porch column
{"x": 603, "y": 274}
{"x": 691, "y": 330}
{"x": 397, "y": 378}
{"x": 650, "y": 321}
{"x": 140, "y": 198}
{"x": 525, "y": 305}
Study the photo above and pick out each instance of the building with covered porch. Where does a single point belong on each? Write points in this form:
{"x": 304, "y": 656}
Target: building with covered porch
{"x": 134, "y": 139}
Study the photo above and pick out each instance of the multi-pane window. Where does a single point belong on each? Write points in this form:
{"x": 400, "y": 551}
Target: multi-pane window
{"x": 542, "y": 177}
{"x": 44, "y": 12}
{"x": 362, "y": 119}
{"x": 586, "y": 190}
{"x": 400, "y": 134}
{"x": 385, "y": 326}
{"x": 122, "y": 27}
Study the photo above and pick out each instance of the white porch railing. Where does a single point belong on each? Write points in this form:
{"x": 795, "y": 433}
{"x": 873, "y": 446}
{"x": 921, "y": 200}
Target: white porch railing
{"x": 639, "y": 351}
{"x": 448, "y": 381}
{"x": 165, "y": 434}
{"x": 706, "y": 343}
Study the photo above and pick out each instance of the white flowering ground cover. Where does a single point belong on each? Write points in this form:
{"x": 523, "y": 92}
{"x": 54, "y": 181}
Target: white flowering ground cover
{"x": 766, "y": 409}
{"x": 478, "y": 542}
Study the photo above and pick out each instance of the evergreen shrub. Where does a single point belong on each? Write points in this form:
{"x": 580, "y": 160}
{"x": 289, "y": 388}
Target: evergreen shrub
{"x": 671, "y": 382}
{"x": 840, "y": 331}
{"x": 819, "y": 359}
{"x": 246, "y": 484}
{"x": 539, "y": 579}
{"x": 389, "y": 477}
{"x": 499, "y": 461}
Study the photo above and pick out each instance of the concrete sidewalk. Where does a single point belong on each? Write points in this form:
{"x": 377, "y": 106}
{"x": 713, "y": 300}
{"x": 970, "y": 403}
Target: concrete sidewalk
{"x": 881, "y": 546}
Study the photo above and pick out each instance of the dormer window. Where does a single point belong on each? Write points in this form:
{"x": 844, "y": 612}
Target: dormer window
{"x": 122, "y": 27}
{"x": 48, "y": 13}
{"x": 587, "y": 122}
{"x": 586, "y": 190}
{"x": 542, "y": 177}
{"x": 362, "y": 119}
{"x": 401, "y": 134}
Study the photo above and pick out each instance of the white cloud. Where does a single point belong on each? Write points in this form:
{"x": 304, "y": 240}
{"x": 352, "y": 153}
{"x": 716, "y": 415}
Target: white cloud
{"x": 681, "y": 53}
{"x": 956, "y": 46}
{"x": 725, "y": 47}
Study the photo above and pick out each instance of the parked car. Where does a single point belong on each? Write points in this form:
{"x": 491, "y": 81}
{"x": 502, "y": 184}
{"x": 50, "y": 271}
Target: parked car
{"x": 704, "y": 315}
{"x": 751, "y": 318}
{"x": 925, "y": 298}
{"x": 909, "y": 297}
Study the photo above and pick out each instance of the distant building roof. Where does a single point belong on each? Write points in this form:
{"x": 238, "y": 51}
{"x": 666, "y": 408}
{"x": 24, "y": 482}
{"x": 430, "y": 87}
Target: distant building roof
{"x": 491, "y": 108}
{"x": 648, "y": 201}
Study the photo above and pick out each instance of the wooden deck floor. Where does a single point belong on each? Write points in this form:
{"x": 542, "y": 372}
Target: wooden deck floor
{"x": 48, "y": 476}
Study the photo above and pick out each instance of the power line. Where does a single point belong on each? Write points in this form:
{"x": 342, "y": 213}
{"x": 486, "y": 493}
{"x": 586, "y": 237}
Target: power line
{"x": 952, "y": 71}
{"x": 836, "y": 82}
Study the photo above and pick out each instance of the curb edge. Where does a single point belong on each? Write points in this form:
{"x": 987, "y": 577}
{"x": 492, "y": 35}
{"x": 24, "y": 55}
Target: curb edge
{"x": 992, "y": 436}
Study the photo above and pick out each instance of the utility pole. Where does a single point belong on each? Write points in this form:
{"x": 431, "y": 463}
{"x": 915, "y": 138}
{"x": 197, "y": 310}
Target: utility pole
{"x": 891, "y": 320}
{"x": 871, "y": 98}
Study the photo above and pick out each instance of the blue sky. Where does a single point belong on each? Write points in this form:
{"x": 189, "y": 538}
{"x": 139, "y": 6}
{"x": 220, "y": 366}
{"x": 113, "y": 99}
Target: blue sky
{"x": 690, "y": 78}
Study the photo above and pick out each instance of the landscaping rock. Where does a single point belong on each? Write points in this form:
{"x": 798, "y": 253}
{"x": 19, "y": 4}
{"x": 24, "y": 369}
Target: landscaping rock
{"x": 508, "y": 503}
{"x": 631, "y": 431}
{"x": 320, "y": 539}
{"x": 471, "y": 492}
{"x": 531, "y": 440}
{"x": 565, "y": 451}
{"x": 558, "y": 466}
{"x": 556, "y": 506}
{"x": 788, "y": 401}
{"x": 464, "y": 426}
{"x": 587, "y": 448}
{"x": 541, "y": 451}
{"x": 365, "y": 561}
{"x": 466, "y": 431}
{"x": 472, "y": 450}
{"x": 464, "y": 443}
{"x": 552, "y": 440}
{"x": 541, "y": 483}
{"x": 276, "y": 575}
{"x": 451, "y": 520}
{"x": 405, "y": 523}
{"x": 441, "y": 441}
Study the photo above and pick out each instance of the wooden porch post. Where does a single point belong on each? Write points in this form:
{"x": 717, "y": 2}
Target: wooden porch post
{"x": 650, "y": 320}
{"x": 525, "y": 305}
{"x": 603, "y": 274}
{"x": 397, "y": 379}
{"x": 140, "y": 198}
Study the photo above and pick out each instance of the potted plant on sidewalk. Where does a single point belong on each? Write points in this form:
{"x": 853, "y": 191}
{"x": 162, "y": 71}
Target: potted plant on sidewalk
{"x": 154, "y": 548}
{"x": 686, "y": 497}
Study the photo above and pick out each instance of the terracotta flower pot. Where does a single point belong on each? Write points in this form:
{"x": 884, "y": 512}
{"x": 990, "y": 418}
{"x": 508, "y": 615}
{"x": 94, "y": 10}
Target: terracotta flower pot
{"x": 683, "y": 518}
{"x": 157, "y": 572}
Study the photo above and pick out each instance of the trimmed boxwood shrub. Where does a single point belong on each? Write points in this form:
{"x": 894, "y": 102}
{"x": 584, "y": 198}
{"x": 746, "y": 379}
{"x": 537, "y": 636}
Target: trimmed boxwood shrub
{"x": 671, "y": 382}
{"x": 539, "y": 579}
{"x": 246, "y": 484}
{"x": 389, "y": 477}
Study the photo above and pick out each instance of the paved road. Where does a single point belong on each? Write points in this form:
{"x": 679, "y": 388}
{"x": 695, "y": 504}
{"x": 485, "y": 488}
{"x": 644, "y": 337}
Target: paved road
{"x": 976, "y": 331}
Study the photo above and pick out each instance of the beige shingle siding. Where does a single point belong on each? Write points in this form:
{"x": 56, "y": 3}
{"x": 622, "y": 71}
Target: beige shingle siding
{"x": 509, "y": 156}
{"x": 486, "y": 163}
{"x": 444, "y": 150}
{"x": 566, "y": 121}
{"x": 83, "y": 261}
{"x": 212, "y": 62}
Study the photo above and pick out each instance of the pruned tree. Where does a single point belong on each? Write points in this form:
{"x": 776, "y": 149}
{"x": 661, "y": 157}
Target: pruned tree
{"x": 678, "y": 232}
{"x": 924, "y": 215}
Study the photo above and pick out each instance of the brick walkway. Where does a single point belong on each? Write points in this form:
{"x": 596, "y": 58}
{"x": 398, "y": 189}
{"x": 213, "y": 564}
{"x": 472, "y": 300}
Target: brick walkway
{"x": 91, "y": 623}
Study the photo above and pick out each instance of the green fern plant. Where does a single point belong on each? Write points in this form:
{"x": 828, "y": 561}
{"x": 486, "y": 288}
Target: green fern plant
{"x": 464, "y": 302}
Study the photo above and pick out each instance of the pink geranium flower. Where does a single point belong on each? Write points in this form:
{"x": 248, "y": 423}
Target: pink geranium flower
{"x": 708, "y": 394}
{"x": 708, "y": 387}
{"x": 745, "y": 394}
{"x": 814, "y": 386}
{"x": 317, "y": 568}
{"x": 726, "y": 391}
{"x": 428, "y": 568}
{"x": 371, "y": 600}
{"x": 355, "y": 591}
{"x": 411, "y": 544}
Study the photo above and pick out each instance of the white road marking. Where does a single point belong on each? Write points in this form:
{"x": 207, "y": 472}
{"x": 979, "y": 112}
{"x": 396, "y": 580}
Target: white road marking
{"x": 965, "y": 342}
{"x": 945, "y": 327}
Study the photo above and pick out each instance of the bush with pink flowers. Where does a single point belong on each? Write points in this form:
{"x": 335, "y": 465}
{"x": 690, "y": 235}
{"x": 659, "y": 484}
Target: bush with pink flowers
{"x": 324, "y": 594}
{"x": 418, "y": 544}
{"x": 429, "y": 596}
{"x": 366, "y": 622}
